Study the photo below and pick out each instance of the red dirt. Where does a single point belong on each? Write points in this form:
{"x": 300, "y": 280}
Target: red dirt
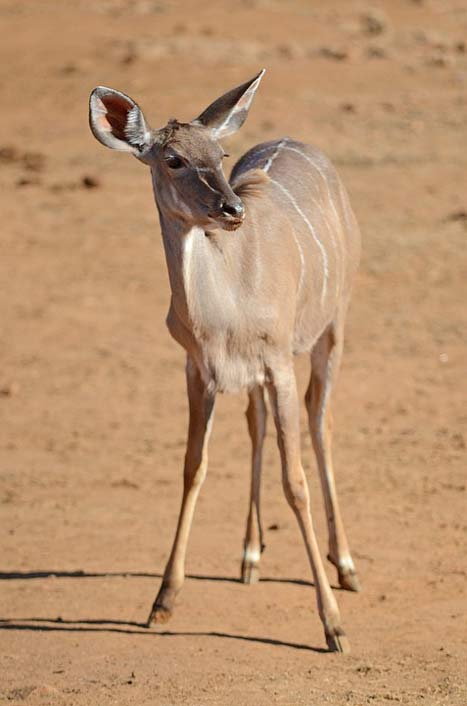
{"x": 92, "y": 403}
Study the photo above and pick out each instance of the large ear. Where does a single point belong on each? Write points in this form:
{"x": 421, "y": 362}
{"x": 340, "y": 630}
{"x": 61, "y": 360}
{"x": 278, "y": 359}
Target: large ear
{"x": 228, "y": 113}
{"x": 118, "y": 122}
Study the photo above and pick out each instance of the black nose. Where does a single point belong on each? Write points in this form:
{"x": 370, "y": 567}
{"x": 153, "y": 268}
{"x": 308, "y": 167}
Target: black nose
{"x": 233, "y": 209}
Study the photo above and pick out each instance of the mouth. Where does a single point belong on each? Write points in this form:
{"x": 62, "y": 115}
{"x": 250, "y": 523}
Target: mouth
{"x": 226, "y": 222}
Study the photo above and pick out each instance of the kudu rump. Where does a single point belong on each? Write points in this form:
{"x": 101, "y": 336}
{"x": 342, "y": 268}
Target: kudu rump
{"x": 260, "y": 269}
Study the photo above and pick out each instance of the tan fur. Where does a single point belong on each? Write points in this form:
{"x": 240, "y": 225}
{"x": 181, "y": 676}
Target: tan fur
{"x": 250, "y": 183}
{"x": 252, "y": 284}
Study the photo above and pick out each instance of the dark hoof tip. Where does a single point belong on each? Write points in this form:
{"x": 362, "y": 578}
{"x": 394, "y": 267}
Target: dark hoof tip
{"x": 338, "y": 642}
{"x": 159, "y": 615}
{"x": 347, "y": 577}
{"x": 349, "y": 581}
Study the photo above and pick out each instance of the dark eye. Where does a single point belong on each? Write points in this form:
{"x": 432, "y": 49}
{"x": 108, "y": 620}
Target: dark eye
{"x": 174, "y": 162}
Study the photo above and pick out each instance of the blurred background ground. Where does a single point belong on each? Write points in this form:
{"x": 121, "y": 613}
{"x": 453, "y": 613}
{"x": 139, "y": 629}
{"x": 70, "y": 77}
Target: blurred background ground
{"x": 92, "y": 401}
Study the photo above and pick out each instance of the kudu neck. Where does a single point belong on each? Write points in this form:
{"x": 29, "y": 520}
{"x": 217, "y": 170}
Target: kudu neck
{"x": 177, "y": 226}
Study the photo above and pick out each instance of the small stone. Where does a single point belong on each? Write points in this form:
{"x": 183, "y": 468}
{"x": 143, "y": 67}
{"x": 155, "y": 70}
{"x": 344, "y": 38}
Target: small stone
{"x": 207, "y": 31}
{"x": 68, "y": 69}
{"x": 440, "y": 61}
{"x": 46, "y": 690}
{"x": 374, "y": 22}
{"x": 334, "y": 53}
{"x": 9, "y": 154}
{"x": 286, "y": 51}
{"x": 458, "y": 443}
{"x": 27, "y": 181}
{"x": 33, "y": 161}
{"x": 9, "y": 389}
{"x": 90, "y": 182}
{"x": 129, "y": 58}
{"x": 374, "y": 52}
{"x": 458, "y": 216}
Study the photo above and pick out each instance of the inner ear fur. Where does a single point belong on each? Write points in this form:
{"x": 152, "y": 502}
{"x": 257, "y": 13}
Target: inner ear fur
{"x": 116, "y": 116}
{"x": 117, "y": 121}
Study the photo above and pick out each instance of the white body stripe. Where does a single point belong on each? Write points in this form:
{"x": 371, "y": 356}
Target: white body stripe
{"x": 289, "y": 148}
{"x": 315, "y": 238}
{"x": 271, "y": 159}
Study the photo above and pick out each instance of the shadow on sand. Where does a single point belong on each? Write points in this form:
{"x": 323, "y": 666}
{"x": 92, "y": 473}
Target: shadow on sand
{"x": 79, "y": 574}
{"x": 132, "y": 628}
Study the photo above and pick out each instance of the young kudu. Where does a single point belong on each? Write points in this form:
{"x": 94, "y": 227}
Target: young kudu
{"x": 260, "y": 269}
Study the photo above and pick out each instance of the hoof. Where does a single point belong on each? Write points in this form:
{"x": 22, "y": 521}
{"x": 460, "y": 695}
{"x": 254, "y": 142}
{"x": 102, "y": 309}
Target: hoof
{"x": 250, "y": 572}
{"x": 338, "y": 642}
{"x": 158, "y": 616}
{"x": 349, "y": 581}
{"x": 347, "y": 576}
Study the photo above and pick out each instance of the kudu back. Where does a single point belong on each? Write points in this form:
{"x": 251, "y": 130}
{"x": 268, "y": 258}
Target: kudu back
{"x": 260, "y": 269}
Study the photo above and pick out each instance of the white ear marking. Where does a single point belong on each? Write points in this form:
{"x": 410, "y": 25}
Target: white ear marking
{"x": 228, "y": 113}
{"x": 136, "y": 127}
{"x": 118, "y": 122}
{"x": 243, "y": 104}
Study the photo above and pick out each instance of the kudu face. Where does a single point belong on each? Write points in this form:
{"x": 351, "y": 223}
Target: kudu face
{"x": 189, "y": 181}
{"x": 185, "y": 158}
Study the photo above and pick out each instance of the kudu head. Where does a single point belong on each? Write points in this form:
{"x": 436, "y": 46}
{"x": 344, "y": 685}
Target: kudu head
{"x": 185, "y": 158}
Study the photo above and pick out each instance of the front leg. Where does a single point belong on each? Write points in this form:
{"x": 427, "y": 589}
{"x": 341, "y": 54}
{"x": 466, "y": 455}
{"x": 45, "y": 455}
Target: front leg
{"x": 201, "y": 405}
{"x": 284, "y": 399}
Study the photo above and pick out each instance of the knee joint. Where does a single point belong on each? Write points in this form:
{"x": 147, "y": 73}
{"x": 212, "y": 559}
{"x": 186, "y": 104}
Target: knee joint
{"x": 296, "y": 493}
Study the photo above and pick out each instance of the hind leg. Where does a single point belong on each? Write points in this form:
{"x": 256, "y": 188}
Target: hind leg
{"x": 253, "y": 544}
{"x": 325, "y": 360}
{"x": 284, "y": 401}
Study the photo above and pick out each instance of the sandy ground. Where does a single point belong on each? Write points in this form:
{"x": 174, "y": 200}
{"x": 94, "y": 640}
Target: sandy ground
{"x": 92, "y": 402}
